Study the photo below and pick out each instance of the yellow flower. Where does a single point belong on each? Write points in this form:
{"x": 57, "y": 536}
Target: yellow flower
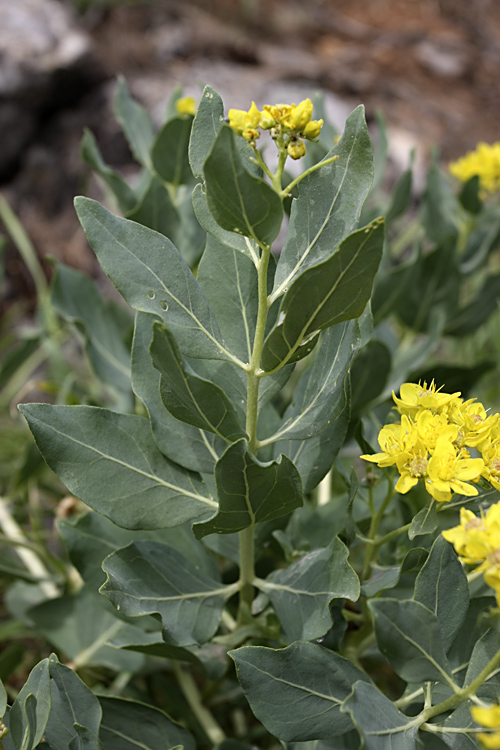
{"x": 186, "y": 105}
{"x": 313, "y": 129}
{"x": 474, "y": 424}
{"x": 394, "y": 440}
{"x": 414, "y": 397}
{"x": 483, "y": 162}
{"x": 245, "y": 123}
{"x": 430, "y": 427}
{"x": 489, "y": 717}
{"x": 447, "y": 472}
{"x": 299, "y": 116}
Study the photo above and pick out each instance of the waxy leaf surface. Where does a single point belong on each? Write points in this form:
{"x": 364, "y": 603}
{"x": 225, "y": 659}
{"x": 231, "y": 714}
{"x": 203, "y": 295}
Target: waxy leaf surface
{"x": 233, "y": 240}
{"x": 111, "y": 462}
{"x": 207, "y": 123}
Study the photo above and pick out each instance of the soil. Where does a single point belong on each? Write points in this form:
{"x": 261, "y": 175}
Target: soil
{"x": 430, "y": 65}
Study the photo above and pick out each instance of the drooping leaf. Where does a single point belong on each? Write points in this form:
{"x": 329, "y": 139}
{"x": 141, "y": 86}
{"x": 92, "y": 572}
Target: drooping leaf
{"x": 27, "y": 718}
{"x": 207, "y": 123}
{"x": 169, "y": 152}
{"x": 302, "y": 593}
{"x": 182, "y": 443}
{"x": 111, "y": 462}
{"x": 297, "y": 692}
{"x": 381, "y": 724}
{"x": 121, "y": 190}
{"x": 149, "y": 577}
{"x": 72, "y": 703}
{"x": 135, "y": 123}
{"x": 152, "y": 276}
{"x": 237, "y": 200}
{"x": 329, "y": 204}
{"x": 76, "y": 297}
{"x": 408, "y": 635}
{"x": 442, "y": 587}
{"x": 187, "y": 397}
{"x": 128, "y": 725}
{"x": 323, "y": 296}
{"x": 250, "y": 491}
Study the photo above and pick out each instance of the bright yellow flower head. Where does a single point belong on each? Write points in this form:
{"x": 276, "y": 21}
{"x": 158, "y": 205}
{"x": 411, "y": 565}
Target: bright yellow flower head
{"x": 186, "y": 105}
{"x": 473, "y": 422}
{"x": 413, "y": 397}
{"x": 394, "y": 440}
{"x": 298, "y": 116}
{"x": 483, "y": 162}
{"x": 488, "y": 717}
{"x": 447, "y": 472}
{"x": 245, "y": 123}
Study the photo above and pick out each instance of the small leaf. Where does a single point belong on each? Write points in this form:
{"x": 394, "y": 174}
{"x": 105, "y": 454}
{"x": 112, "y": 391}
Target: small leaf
{"x": 323, "y": 296}
{"x": 237, "y": 200}
{"x": 128, "y": 725}
{"x": 124, "y": 195}
{"x": 135, "y": 123}
{"x": 301, "y": 594}
{"x": 297, "y": 692}
{"x": 149, "y": 577}
{"x": 187, "y": 397}
{"x": 111, "y": 462}
{"x": 27, "y": 718}
{"x": 251, "y": 491}
{"x": 425, "y": 522}
{"x": 169, "y": 152}
{"x": 408, "y": 635}
{"x": 207, "y": 123}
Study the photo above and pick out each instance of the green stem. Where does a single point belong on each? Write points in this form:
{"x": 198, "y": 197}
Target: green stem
{"x": 372, "y": 547}
{"x": 192, "y": 695}
{"x": 276, "y": 178}
{"x": 387, "y": 537}
{"x": 312, "y": 169}
{"x": 262, "y": 164}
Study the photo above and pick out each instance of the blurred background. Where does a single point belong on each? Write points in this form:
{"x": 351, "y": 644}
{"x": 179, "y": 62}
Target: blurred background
{"x": 431, "y": 67}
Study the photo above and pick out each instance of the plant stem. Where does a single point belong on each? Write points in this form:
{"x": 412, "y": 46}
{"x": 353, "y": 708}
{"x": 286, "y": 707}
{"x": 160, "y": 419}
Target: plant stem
{"x": 192, "y": 695}
{"x": 371, "y": 548}
{"x": 286, "y": 191}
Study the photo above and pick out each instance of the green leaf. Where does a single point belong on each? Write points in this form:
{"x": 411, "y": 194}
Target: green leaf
{"x": 186, "y": 445}
{"x": 149, "y": 577}
{"x": 190, "y": 237}
{"x": 329, "y": 204}
{"x": 124, "y": 195}
{"x": 72, "y": 703}
{"x": 425, "y": 522}
{"x": 111, "y": 462}
{"x": 234, "y": 241}
{"x": 482, "y": 240}
{"x": 3, "y": 699}
{"x": 170, "y": 151}
{"x": 128, "y": 725}
{"x": 388, "y": 577}
{"x": 27, "y": 718}
{"x": 301, "y": 594}
{"x": 189, "y": 398}
{"x": 455, "y": 731}
{"x": 438, "y": 210}
{"x": 238, "y": 201}
{"x": 321, "y": 395}
{"x": 391, "y": 287}
{"x": 323, "y": 296}
{"x": 156, "y": 210}
{"x": 484, "y": 304}
{"x": 84, "y": 739}
{"x": 482, "y": 653}
{"x": 442, "y": 587}
{"x": 151, "y": 275}
{"x": 380, "y": 723}
{"x": 469, "y": 195}
{"x": 251, "y": 491}
{"x": 80, "y": 626}
{"x": 401, "y": 197}
{"x": 408, "y": 635}
{"x": 135, "y": 123}
{"x": 369, "y": 374}
{"x": 75, "y": 296}
{"x": 207, "y": 123}
{"x": 297, "y": 692}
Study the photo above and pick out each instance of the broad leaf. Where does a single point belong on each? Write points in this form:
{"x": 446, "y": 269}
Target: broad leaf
{"x": 328, "y": 293}
{"x": 128, "y": 725}
{"x": 111, "y": 462}
{"x": 321, "y": 397}
{"x": 401, "y": 197}
{"x": 76, "y": 297}
{"x": 28, "y": 716}
{"x": 483, "y": 652}
{"x": 207, "y": 123}
{"x": 135, "y": 123}
{"x": 152, "y": 277}
{"x": 250, "y": 491}
{"x": 186, "y": 445}
{"x": 121, "y": 190}
{"x": 149, "y": 577}
{"x": 297, "y": 692}
{"x": 329, "y": 204}
{"x": 156, "y": 210}
{"x": 302, "y": 593}
{"x": 84, "y": 739}
{"x": 170, "y": 151}
{"x": 388, "y": 577}
{"x": 380, "y": 723}
{"x": 187, "y": 397}
{"x": 425, "y": 522}
{"x": 234, "y": 241}
{"x": 442, "y": 587}
{"x": 408, "y": 635}
{"x": 238, "y": 201}
{"x": 459, "y": 731}
{"x": 72, "y": 703}
{"x": 369, "y": 374}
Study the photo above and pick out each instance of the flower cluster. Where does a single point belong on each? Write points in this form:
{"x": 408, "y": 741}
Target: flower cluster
{"x": 288, "y": 123}
{"x": 489, "y": 717}
{"x": 483, "y": 162}
{"x": 477, "y": 542}
{"x": 432, "y": 442}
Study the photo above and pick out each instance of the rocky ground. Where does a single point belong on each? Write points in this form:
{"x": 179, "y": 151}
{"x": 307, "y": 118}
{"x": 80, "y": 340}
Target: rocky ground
{"x": 430, "y": 65}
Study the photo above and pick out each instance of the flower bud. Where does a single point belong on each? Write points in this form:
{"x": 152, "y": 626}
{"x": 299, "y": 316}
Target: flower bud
{"x": 313, "y": 129}
{"x": 296, "y": 149}
{"x": 186, "y": 105}
{"x": 300, "y": 116}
